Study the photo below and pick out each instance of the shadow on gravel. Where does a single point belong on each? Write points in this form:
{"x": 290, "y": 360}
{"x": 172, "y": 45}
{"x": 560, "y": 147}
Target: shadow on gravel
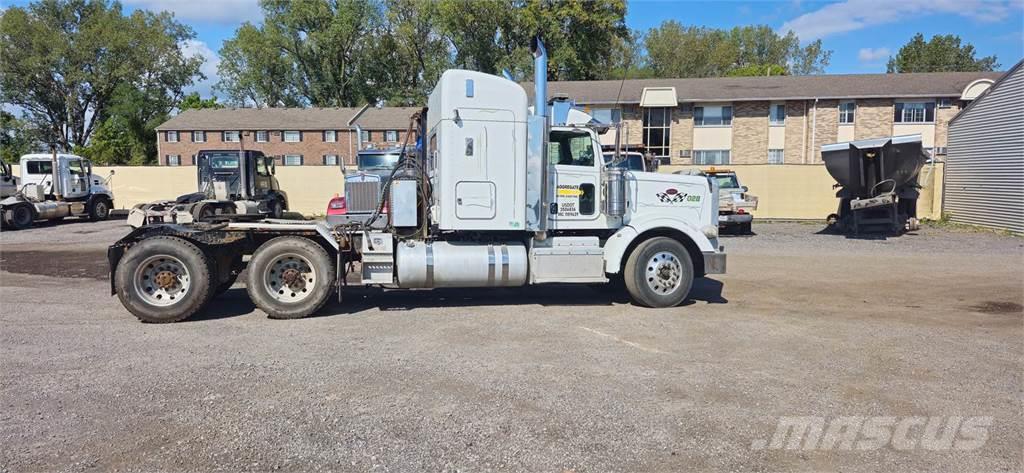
{"x": 358, "y": 299}
{"x": 232, "y": 303}
{"x": 58, "y": 263}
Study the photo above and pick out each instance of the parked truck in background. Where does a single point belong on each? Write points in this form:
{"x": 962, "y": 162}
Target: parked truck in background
{"x": 364, "y": 186}
{"x": 51, "y": 187}
{"x": 8, "y": 181}
{"x": 498, "y": 195}
{"x": 233, "y": 185}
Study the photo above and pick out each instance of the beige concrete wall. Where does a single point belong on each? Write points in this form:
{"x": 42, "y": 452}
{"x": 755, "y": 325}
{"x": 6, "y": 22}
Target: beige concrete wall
{"x": 805, "y": 191}
{"x": 789, "y": 191}
{"x": 308, "y": 187}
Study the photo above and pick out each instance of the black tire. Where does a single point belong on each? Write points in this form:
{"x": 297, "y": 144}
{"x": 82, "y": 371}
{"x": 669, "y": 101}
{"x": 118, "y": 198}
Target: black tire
{"x": 99, "y": 210}
{"x": 275, "y": 208}
{"x": 299, "y": 298}
{"x": 673, "y": 262}
{"x": 205, "y": 213}
{"x": 22, "y": 217}
{"x": 187, "y": 302}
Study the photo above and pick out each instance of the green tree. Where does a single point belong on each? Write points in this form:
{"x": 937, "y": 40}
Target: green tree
{"x": 65, "y": 60}
{"x": 758, "y": 70}
{"x": 674, "y": 50}
{"x": 16, "y": 137}
{"x": 196, "y": 101}
{"x": 306, "y": 52}
{"x": 943, "y": 53}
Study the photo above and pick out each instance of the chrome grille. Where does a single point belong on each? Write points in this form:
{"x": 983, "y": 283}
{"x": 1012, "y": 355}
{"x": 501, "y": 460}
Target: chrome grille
{"x": 362, "y": 196}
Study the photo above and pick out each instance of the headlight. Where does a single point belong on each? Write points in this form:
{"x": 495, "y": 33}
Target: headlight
{"x": 710, "y": 231}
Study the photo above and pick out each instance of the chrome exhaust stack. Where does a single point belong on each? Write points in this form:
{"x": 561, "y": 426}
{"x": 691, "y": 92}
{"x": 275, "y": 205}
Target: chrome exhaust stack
{"x": 536, "y": 145}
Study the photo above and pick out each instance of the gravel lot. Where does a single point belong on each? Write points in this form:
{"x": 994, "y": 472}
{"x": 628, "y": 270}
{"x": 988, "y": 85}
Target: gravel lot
{"x": 559, "y": 378}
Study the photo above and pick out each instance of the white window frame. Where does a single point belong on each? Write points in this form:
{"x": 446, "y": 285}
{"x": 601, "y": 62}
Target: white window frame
{"x": 176, "y": 160}
{"x": 331, "y": 160}
{"x": 295, "y": 138}
{"x": 391, "y": 135}
{"x": 225, "y": 134}
{"x": 777, "y": 156}
{"x": 198, "y": 136}
{"x": 701, "y": 112}
{"x": 773, "y": 117}
{"x": 364, "y": 136}
{"x": 852, "y": 111}
{"x": 262, "y": 136}
{"x": 284, "y": 160}
{"x": 711, "y": 156}
{"x": 172, "y": 136}
{"x": 914, "y": 112}
{"x": 330, "y": 136}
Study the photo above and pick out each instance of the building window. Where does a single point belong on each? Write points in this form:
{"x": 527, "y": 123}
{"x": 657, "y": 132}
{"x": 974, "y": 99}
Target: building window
{"x": 292, "y": 136}
{"x": 847, "y": 111}
{"x": 914, "y": 112}
{"x": 199, "y": 137}
{"x": 776, "y": 156}
{"x": 777, "y": 114}
{"x": 711, "y": 156}
{"x": 172, "y": 137}
{"x": 712, "y": 116}
{"x": 391, "y": 135}
{"x": 174, "y": 160}
{"x": 364, "y": 136}
{"x": 945, "y": 103}
{"x": 330, "y": 160}
{"x": 292, "y": 160}
{"x": 330, "y": 136}
{"x": 657, "y": 131}
{"x": 262, "y": 136}
{"x": 607, "y": 115}
{"x": 231, "y": 136}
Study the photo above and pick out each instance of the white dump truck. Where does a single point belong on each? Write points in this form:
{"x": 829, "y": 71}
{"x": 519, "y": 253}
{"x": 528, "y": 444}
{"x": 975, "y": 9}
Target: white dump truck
{"x": 496, "y": 195}
{"x": 54, "y": 186}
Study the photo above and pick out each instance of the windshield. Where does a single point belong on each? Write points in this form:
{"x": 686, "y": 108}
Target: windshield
{"x": 630, "y": 161}
{"x": 377, "y": 161}
{"x": 220, "y": 161}
{"x": 727, "y": 181}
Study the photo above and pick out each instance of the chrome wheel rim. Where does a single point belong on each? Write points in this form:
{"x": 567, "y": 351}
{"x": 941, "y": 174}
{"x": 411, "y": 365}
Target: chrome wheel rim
{"x": 290, "y": 278}
{"x": 101, "y": 209}
{"x": 664, "y": 273}
{"x": 162, "y": 280}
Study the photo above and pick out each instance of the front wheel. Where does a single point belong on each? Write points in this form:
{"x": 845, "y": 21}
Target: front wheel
{"x": 21, "y": 217}
{"x": 100, "y": 210}
{"x": 163, "y": 279}
{"x": 290, "y": 277}
{"x": 659, "y": 273}
{"x": 275, "y": 208}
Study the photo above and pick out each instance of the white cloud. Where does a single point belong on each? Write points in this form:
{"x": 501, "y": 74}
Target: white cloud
{"x": 193, "y": 48}
{"x": 871, "y": 55}
{"x": 853, "y": 15}
{"x": 215, "y": 11}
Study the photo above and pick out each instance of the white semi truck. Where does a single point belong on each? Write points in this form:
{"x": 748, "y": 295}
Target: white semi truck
{"x": 497, "y": 195}
{"x": 54, "y": 186}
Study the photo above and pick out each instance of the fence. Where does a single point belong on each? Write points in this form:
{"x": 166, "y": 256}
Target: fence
{"x": 784, "y": 191}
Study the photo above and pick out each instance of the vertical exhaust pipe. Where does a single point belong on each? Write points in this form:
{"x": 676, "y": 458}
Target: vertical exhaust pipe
{"x": 540, "y": 77}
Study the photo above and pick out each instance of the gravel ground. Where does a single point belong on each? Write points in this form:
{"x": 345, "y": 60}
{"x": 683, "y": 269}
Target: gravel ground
{"x": 557, "y": 378}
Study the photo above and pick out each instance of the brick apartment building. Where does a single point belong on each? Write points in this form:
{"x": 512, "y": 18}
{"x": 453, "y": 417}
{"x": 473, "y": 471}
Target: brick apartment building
{"x": 295, "y": 136}
{"x": 729, "y": 120}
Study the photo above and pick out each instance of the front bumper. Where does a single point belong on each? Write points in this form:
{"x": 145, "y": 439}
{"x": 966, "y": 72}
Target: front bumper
{"x": 735, "y": 218}
{"x": 714, "y": 261}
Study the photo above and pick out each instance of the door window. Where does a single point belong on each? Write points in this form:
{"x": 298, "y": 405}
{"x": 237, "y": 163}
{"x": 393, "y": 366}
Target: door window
{"x": 571, "y": 148}
{"x": 75, "y": 168}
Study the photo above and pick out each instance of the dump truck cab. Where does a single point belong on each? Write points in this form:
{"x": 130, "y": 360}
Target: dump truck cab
{"x": 54, "y": 186}
{"x": 232, "y": 185}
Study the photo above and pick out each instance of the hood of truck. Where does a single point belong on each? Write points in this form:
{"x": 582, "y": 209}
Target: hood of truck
{"x": 653, "y": 194}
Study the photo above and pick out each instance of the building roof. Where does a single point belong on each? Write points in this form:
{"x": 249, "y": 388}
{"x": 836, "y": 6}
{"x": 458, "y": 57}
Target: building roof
{"x": 834, "y": 86}
{"x": 725, "y": 89}
{"x": 1013, "y": 70}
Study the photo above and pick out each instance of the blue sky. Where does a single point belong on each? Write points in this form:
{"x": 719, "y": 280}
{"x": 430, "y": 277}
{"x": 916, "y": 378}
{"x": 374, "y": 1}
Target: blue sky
{"x": 862, "y": 33}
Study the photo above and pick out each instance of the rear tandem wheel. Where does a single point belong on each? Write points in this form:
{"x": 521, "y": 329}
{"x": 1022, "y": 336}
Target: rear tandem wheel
{"x": 163, "y": 279}
{"x": 290, "y": 277}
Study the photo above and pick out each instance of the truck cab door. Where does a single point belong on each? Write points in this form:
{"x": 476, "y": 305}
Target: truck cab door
{"x": 78, "y": 178}
{"x": 262, "y": 177}
{"x": 574, "y": 196}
